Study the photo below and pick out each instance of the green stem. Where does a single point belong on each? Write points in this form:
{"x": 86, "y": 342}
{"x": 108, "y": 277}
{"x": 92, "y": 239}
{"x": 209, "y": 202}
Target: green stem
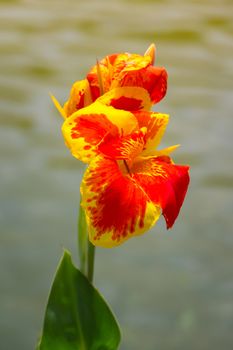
{"x": 90, "y": 261}
{"x": 82, "y": 239}
{"x": 86, "y": 249}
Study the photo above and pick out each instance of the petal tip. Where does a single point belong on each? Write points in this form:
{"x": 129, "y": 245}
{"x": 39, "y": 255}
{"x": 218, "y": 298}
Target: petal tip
{"x": 58, "y": 106}
{"x": 151, "y": 52}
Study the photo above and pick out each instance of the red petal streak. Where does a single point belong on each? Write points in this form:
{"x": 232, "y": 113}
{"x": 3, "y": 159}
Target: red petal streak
{"x": 165, "y": 183}
{"x": 95, "y": 92}
{"x": 128, "y": 98}
{"x": 127, "y": 103}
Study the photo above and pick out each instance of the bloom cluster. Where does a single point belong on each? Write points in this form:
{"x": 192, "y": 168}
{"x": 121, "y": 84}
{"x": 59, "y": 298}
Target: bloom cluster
{"x": 109, "y": 124}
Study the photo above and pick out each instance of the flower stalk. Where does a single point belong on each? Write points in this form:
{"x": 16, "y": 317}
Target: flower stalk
{"x": 82, "y": 240}
{"x": 90, "y": 261}
{"x": 86, "y": 249}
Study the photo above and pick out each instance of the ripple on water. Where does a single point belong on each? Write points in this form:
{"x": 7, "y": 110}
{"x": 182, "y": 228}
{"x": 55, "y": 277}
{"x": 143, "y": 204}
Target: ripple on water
{"x": 16, "y": 121}
{"x": 176, "y": 35}
{"x": 218, "y": 181}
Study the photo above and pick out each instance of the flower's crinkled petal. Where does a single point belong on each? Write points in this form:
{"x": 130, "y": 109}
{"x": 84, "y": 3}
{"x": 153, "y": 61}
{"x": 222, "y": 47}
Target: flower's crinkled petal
{"x": 156, "y": 124}
{"x": 165, "y": 183}
{"x": 127, "y": 98}
{"x": 136, "y": 70}
{"x": 85, "y": 129}
{"x": 123, "y": 147}
{"x": 80, "y": 96}
{"x": 155, "y": 82}
{"x": 113, "y": 69}
{"x": 126, "y": 63}
{"x": 153, "y": 79}
{"x": 128, "y": 70}
{"x": 116, "y": 207}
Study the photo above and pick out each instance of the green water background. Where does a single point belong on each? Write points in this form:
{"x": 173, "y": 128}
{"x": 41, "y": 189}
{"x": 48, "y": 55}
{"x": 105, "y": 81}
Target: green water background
{"x": 171, "y": 290}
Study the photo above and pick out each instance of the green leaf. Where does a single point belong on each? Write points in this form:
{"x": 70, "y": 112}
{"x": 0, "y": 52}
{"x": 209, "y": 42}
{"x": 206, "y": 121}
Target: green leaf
{"x": 77, "y": 317}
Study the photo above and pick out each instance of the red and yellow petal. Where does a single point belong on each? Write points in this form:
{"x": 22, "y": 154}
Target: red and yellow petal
{"x": 85, "y": 129}
{"x": 127, "y": 98}
{"x": 156, "y": 124}
{"x": 116, "y": 207}
{"x": 126, "y": 63}
{"x": 123, "y": 147}
{"x": 80, "y": 96}
{"x": 165, "y": 183}
{"x": 153, "y": 79}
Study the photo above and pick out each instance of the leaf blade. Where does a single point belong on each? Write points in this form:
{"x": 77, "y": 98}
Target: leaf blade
{"x": 77, "y": 317}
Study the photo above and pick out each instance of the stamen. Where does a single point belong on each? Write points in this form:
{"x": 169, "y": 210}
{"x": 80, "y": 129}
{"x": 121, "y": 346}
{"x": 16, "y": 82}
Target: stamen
{"x": 110, "y": 70}
{"x": 99, "y": 76}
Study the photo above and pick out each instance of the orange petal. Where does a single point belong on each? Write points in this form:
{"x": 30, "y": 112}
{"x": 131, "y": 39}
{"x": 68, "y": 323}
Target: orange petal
{"x": 156, "y": 124}
{"x": 85, "y": 129}
{"x": 125, "y": 63}
{"x": 116, "y": 207}
{"x": 127, "y": 98}
{"x": 123, "y": 147}
{"x": 80, "y": 96}
{"x": 165, "y": 183}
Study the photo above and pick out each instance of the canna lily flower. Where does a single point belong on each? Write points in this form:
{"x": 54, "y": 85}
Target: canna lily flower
{"x": 128, "y": 183}
{"x": 114, "y": 72}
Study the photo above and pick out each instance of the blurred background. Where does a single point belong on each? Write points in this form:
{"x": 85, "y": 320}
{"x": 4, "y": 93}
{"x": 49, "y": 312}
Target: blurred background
{"x": 169, "y": 289}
